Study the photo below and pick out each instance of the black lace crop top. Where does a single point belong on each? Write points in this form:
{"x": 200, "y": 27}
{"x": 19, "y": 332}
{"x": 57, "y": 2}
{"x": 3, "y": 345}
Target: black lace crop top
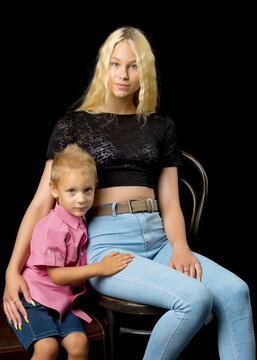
{"x": 126, "y": 151}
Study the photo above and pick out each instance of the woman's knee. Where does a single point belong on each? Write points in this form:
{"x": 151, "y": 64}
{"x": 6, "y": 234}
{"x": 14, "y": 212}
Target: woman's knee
{"x": 237, "y": 294}
{"x": 242, "y": 289}
{"x": 200, "y": 302}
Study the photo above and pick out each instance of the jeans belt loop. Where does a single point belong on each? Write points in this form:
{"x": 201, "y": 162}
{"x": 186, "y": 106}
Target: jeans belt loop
{"x": 151, "y": 203}
{"x": 114, "y": 209}
{"x": 130, "y": 207}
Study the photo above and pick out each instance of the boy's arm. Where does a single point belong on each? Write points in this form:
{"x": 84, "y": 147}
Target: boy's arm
{"x": 109, "y": 265}
{"x": 69, "y": 275}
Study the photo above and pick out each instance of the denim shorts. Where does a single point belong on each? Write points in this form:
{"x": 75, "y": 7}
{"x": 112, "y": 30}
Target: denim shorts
{"x": 44, "y": 322}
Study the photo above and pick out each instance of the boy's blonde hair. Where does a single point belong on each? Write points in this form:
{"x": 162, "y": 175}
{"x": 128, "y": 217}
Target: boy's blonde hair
{"x": 72, "y": 157}
{"x": 145, "y": 99}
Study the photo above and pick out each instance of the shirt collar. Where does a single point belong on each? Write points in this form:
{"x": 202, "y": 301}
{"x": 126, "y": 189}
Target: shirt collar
{"x": 70, "y": 219}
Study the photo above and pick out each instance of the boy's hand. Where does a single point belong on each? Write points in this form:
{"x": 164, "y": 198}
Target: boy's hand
{"x": 114, "y": 262}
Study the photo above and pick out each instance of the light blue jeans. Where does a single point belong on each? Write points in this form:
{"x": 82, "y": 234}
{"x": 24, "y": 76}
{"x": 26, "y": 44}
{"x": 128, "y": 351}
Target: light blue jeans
{"x": 148, "y": 279}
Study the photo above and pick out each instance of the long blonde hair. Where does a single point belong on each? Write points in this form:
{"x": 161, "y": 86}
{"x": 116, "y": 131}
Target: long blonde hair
{"x": 145, "y": 99}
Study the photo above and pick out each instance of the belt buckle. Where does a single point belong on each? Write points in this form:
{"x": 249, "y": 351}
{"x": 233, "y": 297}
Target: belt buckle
{"x": 129, "y": 204}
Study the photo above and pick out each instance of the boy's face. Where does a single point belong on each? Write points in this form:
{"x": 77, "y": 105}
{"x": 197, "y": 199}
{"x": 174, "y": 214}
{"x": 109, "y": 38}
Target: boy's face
{"x": 75, "y": 191}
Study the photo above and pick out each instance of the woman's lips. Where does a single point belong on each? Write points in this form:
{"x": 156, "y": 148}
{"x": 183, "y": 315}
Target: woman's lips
{"x": 122, "y": 86}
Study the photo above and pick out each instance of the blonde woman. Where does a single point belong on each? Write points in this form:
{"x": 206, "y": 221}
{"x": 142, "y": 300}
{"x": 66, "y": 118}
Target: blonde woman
{"x": 135, "y": 149}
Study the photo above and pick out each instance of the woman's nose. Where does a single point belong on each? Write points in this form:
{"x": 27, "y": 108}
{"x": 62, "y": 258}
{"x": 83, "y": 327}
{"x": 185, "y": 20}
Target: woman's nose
{"x": 123, "y": 73}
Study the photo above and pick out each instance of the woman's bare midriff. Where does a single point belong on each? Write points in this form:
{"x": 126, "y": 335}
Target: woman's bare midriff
{"x": 122, "y": 194}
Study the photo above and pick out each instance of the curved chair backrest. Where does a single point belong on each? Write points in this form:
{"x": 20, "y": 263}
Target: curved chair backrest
{"x": 193, "y": 178}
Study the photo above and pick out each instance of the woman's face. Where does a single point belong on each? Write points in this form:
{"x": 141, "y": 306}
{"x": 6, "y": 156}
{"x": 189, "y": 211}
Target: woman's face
{"x": 124, "y": 76}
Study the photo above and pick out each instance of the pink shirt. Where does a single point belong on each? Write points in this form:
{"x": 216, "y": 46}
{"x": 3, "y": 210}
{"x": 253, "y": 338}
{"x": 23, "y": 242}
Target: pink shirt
{"x": 58, "y": 240}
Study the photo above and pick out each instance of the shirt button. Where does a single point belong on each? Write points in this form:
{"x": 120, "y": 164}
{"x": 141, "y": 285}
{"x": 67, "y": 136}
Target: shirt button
{"x": 49, "y": 251}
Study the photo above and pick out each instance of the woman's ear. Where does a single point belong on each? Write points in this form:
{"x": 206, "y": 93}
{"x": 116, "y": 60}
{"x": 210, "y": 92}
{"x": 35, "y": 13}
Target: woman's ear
{"x": 53, "y": 190}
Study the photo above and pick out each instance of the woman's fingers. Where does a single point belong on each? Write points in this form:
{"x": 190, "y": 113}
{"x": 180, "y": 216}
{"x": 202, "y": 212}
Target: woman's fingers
{"x": 12, "y": 305}
{"x": 186, "y": 263}
{"x": 192, "y": 272}
{"x": 198, "y": 271}
{"x": 12, "y": 313}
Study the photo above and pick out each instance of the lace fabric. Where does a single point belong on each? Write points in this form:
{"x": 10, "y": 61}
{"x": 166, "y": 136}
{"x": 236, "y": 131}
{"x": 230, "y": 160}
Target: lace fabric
{"x": 127, "y": 151}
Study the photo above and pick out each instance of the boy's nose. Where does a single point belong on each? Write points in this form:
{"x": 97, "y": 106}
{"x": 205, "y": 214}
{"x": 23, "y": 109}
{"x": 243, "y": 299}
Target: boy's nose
{"x": 81, "y": 198}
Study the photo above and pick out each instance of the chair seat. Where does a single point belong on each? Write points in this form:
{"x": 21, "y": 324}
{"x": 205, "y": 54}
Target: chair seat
{"x": 127, "y": 307}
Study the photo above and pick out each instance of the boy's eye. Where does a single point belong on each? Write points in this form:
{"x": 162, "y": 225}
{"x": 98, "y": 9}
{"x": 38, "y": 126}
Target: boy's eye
{"x": 89, "y": 189}
{"x": 71, "y": 191}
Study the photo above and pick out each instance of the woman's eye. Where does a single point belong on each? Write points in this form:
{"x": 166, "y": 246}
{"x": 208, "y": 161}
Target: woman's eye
{"x": 114, "y": 64}
{"x": 133, "y": 66}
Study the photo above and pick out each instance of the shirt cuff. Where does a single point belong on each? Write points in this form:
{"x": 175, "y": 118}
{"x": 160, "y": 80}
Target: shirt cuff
{"x": 53, "y": 258}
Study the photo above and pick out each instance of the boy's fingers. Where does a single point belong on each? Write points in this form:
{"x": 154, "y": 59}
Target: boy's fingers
{"x": 112, "y": 253}
{"x": 126, "y": 256}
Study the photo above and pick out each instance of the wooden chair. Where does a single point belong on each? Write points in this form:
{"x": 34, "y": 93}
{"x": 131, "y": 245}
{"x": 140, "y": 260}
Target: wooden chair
{"x": 120, "y": 315}
{"x": 11, "y": 349}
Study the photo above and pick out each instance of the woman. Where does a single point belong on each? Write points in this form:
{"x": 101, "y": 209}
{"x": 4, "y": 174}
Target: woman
{"x": 136, "y": 155}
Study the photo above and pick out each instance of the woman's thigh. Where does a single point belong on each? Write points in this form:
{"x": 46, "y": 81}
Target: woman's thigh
{"x": 152, "y": 283}
{"x": 143, "y": 235}
{"x": 224, "y": 286}
{"x": 143, "y": 280}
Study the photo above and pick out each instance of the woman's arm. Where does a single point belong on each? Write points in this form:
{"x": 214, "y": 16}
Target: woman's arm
{"x": 182, "y": 258}
{"x": 38, "y": 208}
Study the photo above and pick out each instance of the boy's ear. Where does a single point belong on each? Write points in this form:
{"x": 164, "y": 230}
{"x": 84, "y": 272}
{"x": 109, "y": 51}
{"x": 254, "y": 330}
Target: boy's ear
{"x": 53, "y": 189}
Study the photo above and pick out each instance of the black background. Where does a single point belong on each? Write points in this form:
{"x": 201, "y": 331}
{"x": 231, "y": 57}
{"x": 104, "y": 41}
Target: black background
{"x": 205, "y": 62}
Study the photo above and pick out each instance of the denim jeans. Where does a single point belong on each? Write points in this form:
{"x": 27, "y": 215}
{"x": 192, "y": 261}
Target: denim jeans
{"x": 148, "y": 279}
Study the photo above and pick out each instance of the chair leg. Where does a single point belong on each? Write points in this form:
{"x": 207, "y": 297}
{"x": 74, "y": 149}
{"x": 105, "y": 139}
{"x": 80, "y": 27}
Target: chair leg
{"x": 112, "y": 333}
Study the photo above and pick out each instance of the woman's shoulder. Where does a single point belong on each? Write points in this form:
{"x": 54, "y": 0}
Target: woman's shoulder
{"x": 160, "y": 116}
{"x": 77, "y": 115}
{"x": 74, "y": 119}
{"x": 161, "y": 119}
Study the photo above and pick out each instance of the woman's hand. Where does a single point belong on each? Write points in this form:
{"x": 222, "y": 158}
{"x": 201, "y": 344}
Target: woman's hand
{"x": 13, "y": 307}
{"x": 184, "y": 261}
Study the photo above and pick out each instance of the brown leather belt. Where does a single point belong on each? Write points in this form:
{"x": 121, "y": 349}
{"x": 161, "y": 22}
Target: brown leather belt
{"x": 132, "y": 206}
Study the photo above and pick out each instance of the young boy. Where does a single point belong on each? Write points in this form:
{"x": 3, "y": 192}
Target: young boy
{"x": 56, "y": 267}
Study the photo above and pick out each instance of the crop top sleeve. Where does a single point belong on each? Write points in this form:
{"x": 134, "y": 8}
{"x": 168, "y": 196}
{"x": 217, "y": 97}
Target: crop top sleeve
{"x": 62, "y": 135}
{"x": 170, "y": 155}
{"x": 127, "y": 151}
